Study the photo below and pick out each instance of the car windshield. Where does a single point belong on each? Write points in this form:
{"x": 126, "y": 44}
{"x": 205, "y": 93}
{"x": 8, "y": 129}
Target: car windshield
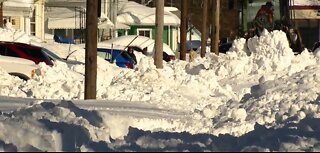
{"x": 52, "y": 55}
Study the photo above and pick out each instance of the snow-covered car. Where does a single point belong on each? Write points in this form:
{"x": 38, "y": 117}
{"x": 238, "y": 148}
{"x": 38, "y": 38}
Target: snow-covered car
{"x": 22, "y": 68}
{"x": 138, "y": 43}
{"x": 54, "y": 57}
{"x": 35, "y": 53}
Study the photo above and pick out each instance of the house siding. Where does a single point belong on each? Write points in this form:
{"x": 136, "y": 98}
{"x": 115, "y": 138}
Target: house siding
{"x": 134, "y": 29}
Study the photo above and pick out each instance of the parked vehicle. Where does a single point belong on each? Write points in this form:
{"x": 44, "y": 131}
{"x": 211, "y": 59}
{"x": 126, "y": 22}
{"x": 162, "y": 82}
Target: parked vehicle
{"x": 120, "y": 57}
{"x": 193, "y": 44}
{"x": 55, "y": 57}
{"x": 31, "y": 52}
{"x": 63, "y": 40}
{"x": 22, "y": 68}
{"x": 22, "y": 50}
{"x": 138, "y": 43}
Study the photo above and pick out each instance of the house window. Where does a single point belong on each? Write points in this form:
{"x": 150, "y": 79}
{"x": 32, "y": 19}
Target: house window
{"x": 33, "y": 24}
{"x": 13, "y": 21}
{"x": 144, "y": 32}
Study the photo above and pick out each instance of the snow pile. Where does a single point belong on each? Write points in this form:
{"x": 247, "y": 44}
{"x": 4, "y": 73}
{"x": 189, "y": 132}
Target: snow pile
{"x": 259, "y": 80}
{"x": 52, "y": 127}
{"x": 18, "y": 36}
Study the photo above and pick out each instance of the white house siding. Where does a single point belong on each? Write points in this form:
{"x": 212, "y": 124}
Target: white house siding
{"x": 18, "y": 11}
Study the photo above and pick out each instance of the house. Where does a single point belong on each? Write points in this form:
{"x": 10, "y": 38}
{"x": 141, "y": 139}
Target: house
{"x": 229, "y": 15}
{"x": 20, "y": 13}
{"x": 306, "y": 16}
{"x": 67, "y": 18}
{"x": 141, "y": 21}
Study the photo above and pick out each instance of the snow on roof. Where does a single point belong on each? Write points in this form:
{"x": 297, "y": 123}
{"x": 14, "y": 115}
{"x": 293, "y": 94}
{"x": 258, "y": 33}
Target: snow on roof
{"x": 18, "y": 3}
{"x": 70, "y": 18}
{"x": 64, "y": 3}
{"x": 133, "y": 13}
{"x": 307, "y": 2}
{"x": 304, "y": 9}
{"x": 17, "y": 7}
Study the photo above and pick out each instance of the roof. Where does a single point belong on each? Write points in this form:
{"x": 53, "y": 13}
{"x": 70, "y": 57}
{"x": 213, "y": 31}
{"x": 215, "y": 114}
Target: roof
{"x": 304, "y": 9}
{"x": 306, "y": 3}
{"x": 133, "y": 13}
{"x": 66, "y": 3}
{"x": 18, "y": 8}
{"x": 71, "y": 18}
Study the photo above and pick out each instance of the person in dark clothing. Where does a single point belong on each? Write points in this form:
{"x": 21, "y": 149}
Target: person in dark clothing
{"x": 295, "y": 41}
{"x": 130, "y": 52}
{"x": 264, "y": 18}
{"x": 315, "y": 46}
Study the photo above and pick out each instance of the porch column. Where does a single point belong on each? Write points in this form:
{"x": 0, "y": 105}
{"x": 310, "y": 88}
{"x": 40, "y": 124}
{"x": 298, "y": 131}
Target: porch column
{"x": 27, "y": 28}
{"x": 114, "y": 17}
{"x": 40, "y": 14}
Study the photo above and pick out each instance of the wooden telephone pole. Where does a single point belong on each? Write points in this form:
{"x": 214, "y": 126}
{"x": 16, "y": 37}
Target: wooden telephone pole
{"x": 183, "y": 29}
{"x": 204, "y": 28}
{"x": 158, "y": 59}
{"x": 90, "y": 89}
{"x": 215, "y": 27}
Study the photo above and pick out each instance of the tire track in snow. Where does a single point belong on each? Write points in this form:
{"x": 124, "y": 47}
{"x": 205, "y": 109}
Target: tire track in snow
{"x": 122, "y": 108}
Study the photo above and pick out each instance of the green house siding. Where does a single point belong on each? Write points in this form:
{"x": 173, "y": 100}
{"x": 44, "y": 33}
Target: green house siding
{"x": 121, "y": 32}
{"x": 134, "y": 29}
{"x": 167, "y": 33}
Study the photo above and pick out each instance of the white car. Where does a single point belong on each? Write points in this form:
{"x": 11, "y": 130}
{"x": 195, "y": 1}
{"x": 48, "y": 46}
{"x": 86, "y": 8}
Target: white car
{"x": 138, "y": 43}
{"x": 22, "y": 68}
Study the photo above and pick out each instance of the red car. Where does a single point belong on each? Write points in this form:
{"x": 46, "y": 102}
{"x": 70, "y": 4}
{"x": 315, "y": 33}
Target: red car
{"x": 33, "y": 53}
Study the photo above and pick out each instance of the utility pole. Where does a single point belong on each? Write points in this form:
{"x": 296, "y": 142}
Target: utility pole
{"x": 204, "y": 28}
{"x": 215, "y": 26}
{"x": 212, "y": 28}
{"x": 158, "y": 59}
{"x": 90, "y": 89}
{"x": 183, "y": 29}
{"x": 1, "y": 15}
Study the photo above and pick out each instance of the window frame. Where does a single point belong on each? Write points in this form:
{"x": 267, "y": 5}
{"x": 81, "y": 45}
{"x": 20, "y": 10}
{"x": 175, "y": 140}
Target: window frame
{"x": 144, "y": 30}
